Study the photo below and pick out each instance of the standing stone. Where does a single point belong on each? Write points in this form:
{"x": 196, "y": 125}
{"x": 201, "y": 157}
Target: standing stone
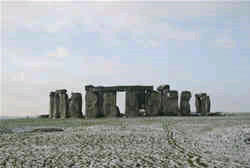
{"x": 164, "y": 91}
{"x": 184, "y": 103}
{"x": 51, "y": 104}
{"x": 75, "y": 105}
{"x": 171, "y": 103}
{"x": 141, "y": 96}
{"x": 56, "y": 112}
{"x": 197, "y": 103}
{"x": 100, "y": 100}
{"x": 91, "y": 104}
{"x": 208, "y": 104}
{"x": 153, "y": 104}
{"x": 203, "y": 98}
{"x": 63, "y": 103}
{"x": 203, "y": 104}
{"x": 109, "y": 105}
{"x": 132, "y": 106}
{"x": 164, "y": 103}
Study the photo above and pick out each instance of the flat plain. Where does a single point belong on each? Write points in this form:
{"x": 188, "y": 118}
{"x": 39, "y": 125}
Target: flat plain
{"x": 127, "y": 142}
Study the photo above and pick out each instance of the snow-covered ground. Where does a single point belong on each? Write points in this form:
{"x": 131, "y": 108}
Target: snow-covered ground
{"x": 136, "y": 142}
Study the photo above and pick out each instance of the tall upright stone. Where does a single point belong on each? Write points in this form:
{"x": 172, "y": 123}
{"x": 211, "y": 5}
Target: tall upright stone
{"x": 203, "y": 98}
{"x": 132, "y": 105}
{"x": 171, "y": 103}
{"x": 109, "y": 105}
{"x": 153, "y": 104}
{"x": 63, "y": 103}
{"x": 100, "y": 101}
{"x": 51, "y": 104}
{"x": 56, "y": 112}
{"x": 197, "y": 103}
{"x": 141, "y": 98}
{"x": 164, "y": 91}
{"x": 185, "y": 108}
{"x": 208, "y": 104}
{"x": 75, "y": 105}
{"x": 91, "y": 104}
{"x": 203, "y": 104}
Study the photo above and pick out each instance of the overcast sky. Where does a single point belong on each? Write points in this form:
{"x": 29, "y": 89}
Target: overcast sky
{"x": 196, "y": 46}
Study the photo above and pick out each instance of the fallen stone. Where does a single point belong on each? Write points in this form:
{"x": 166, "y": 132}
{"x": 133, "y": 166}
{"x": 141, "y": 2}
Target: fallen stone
{"x": 4, "y": 130}
{"x": 247, "y": 141}
{"x": 47, "y": 130}
{"x": 44, "y": 116}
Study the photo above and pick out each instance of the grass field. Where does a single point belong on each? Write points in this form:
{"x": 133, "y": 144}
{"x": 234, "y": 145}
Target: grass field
{"x": 127, "y": 142}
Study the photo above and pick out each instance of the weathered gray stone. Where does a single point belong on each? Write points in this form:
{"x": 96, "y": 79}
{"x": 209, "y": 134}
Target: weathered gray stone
{"x": 203, "y": 104}
{"x": 46, "y": 130}
{"x": 132, "y": 105}
{"x": 109, "y": 105}
{"x": 203, "y": 98}
{"x": 118, "y": 111}
{"x": 91, "y": 104}
{"x": 208, "y": 104}
{"x": 164, "y": 104}
{"x": 75, "y": 105}
{"x": 153, "y": 104}
{"x": 100, "y": 100}
{"x": 184, "y": 103}
{"x": 141, "y": 97}
{"x": 56, "y": 112}
{"x": 197, "y": 103}
{"x": 43, "y": 116}
{"x": 51, "y": 104}
{"x": 98, "y": 108}
{"x": 117, "y": 88}
{"x": 171, "y": 103}
{"x": 163, "y": 89}
{"x": 61, "y": 91}
{"x": 247, "y": 141}
{"x": 63, "y": 103}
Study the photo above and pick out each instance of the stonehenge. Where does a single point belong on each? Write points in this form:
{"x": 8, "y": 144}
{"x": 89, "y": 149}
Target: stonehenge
{"x": 63, "y": 103}
{"x": 100, "y": 101}
{"x": 132, "y": 105}
{"x": 56, "y": 113}
{"x": 153, "y": 105}
{"x": 91, "y": 104}
{"x": 75, "y": 105}
{"x": 63, "y": 107}
{"x": 170, "y": 103}
{"x": 109, "y": 105}
{"x": 164, "y": 92}
{"x": 185, "y": 108}
{"x": 51, "y": 104}
{"x": 163, "y": 89}
{"x": 202, "y": 104}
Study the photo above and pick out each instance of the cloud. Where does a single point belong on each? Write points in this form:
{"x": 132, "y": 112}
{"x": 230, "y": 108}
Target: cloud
{"x": 27, "y": 59}
{"x": 19, "y": 76}
{"x": 148, "y": 24}
{"x": 225, "y": 42}
{"x": 60, "y": 52}
{"x": 140, "y": 20}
